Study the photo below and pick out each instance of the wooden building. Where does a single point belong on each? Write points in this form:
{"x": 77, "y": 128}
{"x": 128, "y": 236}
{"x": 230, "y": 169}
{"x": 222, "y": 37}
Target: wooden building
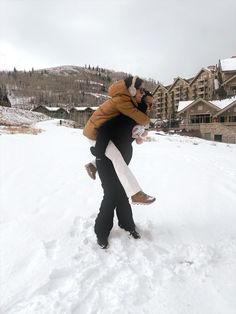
{"x": 81, "y": 115}
{"x": 211, "y": 83}
{"x": 53, "y": 112}
{"x": 78, "y": 114}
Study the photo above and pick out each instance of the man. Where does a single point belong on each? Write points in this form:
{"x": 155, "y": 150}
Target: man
{"x": 119, "y": 130}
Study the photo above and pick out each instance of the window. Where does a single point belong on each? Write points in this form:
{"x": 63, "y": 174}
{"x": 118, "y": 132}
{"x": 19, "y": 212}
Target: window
{"x": 232, "y": 119}
{"x": 222, "y": 119}
{"x": 218, "y": 137}
{"x": 200, "y": 107}
{"x": 204, "y": 118}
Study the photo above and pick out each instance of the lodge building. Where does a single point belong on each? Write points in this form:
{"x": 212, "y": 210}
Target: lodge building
{"x": 214, "y": 120}
{"x": 205, "y": 103}
{"x": 212, "y": 83}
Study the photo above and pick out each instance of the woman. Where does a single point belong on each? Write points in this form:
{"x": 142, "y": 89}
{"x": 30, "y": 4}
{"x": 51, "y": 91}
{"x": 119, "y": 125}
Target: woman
{"x": 125, "y": 97}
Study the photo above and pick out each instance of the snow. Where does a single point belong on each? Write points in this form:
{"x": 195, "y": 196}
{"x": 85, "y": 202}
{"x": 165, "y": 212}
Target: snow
{"x": 14, "y": 116}
{"x": 90, "y": 82}
{"x": 97, "y": 95}
{"x": 228, "y": 64}
{"x": 221, "y": 104}
{"x": 17, "y": 101}
{"x": 185, "y": 261}
{"x": 52, "y": 108}
{"x": 65, "y": 70}
{"x": 84, "y": 108}
{"x": 224, "y": 102}
{"x": 183, "y": 104}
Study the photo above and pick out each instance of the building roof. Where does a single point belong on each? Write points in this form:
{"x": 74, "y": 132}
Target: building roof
{"x": 219, "y": 104}
{"x": 84, "y": 108}
{"x": 230, "y": 79}
{"x": 223, "y": 103}
{"x": 193, "y": 102}
{"x": 183, "y": 104}
{"x": 233, "y": 103}
{"x": 176, "y": 80}
{"x": 196, "y": 76}
{"x": 228, "y": 64}
{"x": 52, "y": 108}
{"x": 159, "y": 86}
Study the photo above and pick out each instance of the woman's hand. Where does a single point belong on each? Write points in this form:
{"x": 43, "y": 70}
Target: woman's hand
{"x": 139, "y": 140}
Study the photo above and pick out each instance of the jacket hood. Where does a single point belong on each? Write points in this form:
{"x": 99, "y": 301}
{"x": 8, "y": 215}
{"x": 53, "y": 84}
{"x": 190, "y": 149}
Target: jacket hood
{"x": 118, "y": 89}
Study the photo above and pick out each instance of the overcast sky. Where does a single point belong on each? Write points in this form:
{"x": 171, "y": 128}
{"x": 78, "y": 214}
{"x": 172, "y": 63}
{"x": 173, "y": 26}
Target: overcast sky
{"x": 150, "y": 38}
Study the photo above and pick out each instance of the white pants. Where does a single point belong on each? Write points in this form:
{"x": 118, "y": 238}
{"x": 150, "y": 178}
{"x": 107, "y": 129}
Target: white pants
{"x": 125, "y": 175}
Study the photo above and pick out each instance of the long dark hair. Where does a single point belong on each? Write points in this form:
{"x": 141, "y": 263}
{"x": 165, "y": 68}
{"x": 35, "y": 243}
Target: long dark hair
{"x": 143, "y": 106}
{"x": 128, "y": 82}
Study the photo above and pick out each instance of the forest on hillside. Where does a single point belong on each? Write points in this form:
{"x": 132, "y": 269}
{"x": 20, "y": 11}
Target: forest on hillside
{"x": 65, "y": 86}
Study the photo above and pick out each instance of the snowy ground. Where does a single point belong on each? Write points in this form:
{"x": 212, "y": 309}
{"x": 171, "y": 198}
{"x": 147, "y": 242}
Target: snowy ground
{"x": 50, "y": 262}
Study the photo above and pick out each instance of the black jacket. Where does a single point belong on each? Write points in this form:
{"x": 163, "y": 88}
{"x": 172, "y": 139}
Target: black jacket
{"x": 119, "y": 131}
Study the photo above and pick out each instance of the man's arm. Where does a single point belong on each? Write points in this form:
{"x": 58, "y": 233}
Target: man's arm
{"x": 102, "y": 140}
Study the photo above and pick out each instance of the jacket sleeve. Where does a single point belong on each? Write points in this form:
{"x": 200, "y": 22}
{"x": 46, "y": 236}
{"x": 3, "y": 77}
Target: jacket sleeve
{"x": 128, "y": 109}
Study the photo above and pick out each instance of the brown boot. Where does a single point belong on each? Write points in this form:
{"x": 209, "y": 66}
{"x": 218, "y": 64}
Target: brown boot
{"x": 142, "y": 198}
{"x": 91, "y": 170}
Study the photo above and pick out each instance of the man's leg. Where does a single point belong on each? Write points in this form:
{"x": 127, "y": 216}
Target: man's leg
{"x": 124, "y": 211}
{"x": 104, "y": 220}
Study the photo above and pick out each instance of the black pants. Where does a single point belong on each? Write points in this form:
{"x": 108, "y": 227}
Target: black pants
{"x": 114, "y": 198}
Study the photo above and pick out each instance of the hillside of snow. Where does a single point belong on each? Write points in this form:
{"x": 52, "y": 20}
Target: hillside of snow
{"x": 185, "y": 261}
{"x": 18, "y": 117}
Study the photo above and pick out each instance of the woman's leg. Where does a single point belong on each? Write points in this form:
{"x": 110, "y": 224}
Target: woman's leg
{"x": 123, "y": 172}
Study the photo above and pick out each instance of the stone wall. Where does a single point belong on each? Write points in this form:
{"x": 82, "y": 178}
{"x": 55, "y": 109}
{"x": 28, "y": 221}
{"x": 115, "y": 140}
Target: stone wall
{"x": 211, "y": 131}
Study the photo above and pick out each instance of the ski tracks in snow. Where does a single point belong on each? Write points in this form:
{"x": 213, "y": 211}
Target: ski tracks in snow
{"x": 85, "y": 279}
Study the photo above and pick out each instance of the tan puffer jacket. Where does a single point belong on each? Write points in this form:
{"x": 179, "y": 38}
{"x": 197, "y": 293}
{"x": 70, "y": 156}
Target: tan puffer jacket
{"x": 120, "y": 102}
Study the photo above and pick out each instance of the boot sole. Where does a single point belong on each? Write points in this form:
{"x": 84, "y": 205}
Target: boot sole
{"x": 136, "y": 203}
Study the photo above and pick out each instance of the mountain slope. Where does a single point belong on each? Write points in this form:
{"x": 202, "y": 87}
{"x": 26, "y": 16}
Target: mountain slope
{"x": 64, "y": 86}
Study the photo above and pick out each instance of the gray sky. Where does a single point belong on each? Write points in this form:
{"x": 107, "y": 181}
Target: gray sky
{"x": 152, "y": 38}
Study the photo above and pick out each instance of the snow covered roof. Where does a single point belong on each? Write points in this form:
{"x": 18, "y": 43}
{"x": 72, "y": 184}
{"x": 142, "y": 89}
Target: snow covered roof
{"x": 230, "y": 79}
{"x": 84, "y": 108}
{"x": 52, "y": 108}
{"x": 228, "y": 64}
{"x": 226, "y": 108}
{"x": 183, "y": 104}
{"x": 221, "y": 104}
{"x": 80, "y": 108}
